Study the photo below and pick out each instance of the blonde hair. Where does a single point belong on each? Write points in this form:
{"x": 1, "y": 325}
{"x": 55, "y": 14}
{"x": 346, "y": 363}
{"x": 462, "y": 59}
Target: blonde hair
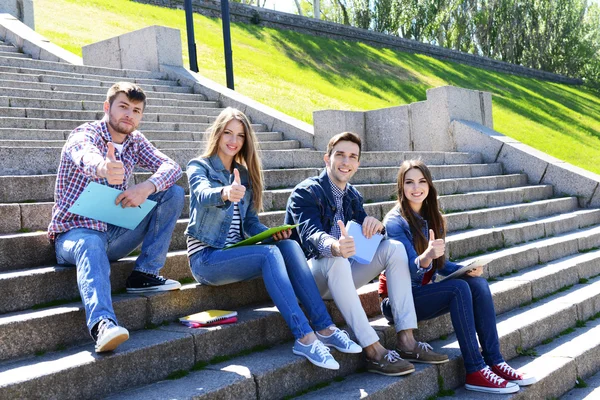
{"x": 248, "y": 155}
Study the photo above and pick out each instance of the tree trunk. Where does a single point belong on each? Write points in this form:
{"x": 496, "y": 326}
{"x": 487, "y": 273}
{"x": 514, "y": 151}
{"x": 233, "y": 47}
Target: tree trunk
{"x": 298, "y": 7}
{"x": 317, "y": 9}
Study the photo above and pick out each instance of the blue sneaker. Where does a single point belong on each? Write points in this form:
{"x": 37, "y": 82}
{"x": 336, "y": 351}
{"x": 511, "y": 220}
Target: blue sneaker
{"x": 340, "y": 341}
{"x": 317, "y": 353}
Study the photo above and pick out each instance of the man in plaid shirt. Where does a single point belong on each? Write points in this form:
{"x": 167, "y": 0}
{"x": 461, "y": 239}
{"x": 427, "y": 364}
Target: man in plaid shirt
{"x": 106, "y": 152}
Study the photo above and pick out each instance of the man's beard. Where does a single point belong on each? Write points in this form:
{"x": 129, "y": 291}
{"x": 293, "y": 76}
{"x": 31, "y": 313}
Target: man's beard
{"x": 119, "y": 130}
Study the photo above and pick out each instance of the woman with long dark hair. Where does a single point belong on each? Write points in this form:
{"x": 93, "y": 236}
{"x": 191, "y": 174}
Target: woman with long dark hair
{"x": 417, "y": 222}
{"x": 226, "y": 185}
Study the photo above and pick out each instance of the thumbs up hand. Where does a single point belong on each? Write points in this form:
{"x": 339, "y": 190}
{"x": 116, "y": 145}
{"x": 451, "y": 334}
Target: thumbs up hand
{"x": 344, "y": 247}
{"x": 436, "y": 248}
{"x": 110, "y": 168}
{"x": 236, "y": 191}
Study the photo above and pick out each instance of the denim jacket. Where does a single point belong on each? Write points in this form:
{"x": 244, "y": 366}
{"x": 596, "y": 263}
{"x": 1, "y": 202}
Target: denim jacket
{"x": 397, "y": 228}
{"x": 210, "y": 216}
{"x": 312, "y": 204}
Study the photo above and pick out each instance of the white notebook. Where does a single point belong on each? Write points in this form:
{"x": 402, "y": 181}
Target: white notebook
{"x": 365, "y": 248}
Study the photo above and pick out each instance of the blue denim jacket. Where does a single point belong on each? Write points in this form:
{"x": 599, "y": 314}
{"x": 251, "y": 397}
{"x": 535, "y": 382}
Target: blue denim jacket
{"x": 312, "y": 204}
{"x": 210, "y": 216}
{"x": 397, "y": 228}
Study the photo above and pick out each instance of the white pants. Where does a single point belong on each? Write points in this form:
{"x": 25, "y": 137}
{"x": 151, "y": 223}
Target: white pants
{"x": 338, "y": 278}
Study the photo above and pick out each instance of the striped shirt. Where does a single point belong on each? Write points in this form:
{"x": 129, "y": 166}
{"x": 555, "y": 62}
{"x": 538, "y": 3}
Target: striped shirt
{"x": 233, "y": 236}
{"x": 85, "y": 149}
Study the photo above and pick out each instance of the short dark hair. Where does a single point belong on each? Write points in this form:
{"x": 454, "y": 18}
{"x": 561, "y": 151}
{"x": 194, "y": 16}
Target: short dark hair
{"x": 344, "y": 136}
{"x": 131, "y": 90}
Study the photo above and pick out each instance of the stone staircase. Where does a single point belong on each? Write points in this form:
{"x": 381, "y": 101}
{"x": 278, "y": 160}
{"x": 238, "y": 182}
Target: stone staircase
{"x": 543, "y": 271}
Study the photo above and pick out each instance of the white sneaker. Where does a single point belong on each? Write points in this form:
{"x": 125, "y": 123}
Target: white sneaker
{"x": 109, "y": 336}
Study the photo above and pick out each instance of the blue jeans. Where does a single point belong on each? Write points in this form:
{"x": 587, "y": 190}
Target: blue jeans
{"x": 469, "y": 301}
{"x": 284, "y": 270}
{"x": 92, "y": 251}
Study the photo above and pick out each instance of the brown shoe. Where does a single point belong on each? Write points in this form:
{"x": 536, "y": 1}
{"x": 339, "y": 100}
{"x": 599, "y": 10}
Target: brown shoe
{"x": 423, "y": 353}
{"x": 390, "y": 364}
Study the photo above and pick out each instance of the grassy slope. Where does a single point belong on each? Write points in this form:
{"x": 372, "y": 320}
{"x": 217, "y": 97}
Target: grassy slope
{"x": 298, "y": 74}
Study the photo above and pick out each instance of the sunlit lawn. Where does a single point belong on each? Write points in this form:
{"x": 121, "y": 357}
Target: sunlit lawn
{"x": 298, "y": 74}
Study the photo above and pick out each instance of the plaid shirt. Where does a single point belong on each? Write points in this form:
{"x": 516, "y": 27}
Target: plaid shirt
{"x": 74, "y": 173}
{"x": 335, "y": 233}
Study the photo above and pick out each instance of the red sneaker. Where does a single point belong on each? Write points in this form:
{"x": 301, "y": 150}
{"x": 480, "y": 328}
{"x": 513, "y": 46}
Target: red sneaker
{"x": 505, "y": 371}
{"x": 485, "y": 380}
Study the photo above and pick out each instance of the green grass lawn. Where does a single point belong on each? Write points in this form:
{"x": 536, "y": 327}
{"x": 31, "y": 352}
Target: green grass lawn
{"x": 298, "y": 74}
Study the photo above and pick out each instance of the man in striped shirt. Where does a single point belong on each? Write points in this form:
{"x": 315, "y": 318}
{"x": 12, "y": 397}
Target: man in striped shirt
{"x": 106, "y": 152}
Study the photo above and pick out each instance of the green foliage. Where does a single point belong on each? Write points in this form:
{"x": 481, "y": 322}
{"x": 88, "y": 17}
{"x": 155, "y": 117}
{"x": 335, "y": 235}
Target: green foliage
{"x": 199, "y": 366}
{"x": 298, "y": 74}
{"x": 54, "y": 303}
{"x": 580, "y": 383}
{"x": 527, "y": 352}
{"x": 567, "y": 331}
{"x": 180, "y": 373}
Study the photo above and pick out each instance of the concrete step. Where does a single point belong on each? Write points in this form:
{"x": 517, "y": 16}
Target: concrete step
{"x": 17, "y": 255}
{"x": 44, "y": 113}
{"x": 516, "y": 330}
{"x": 154, "y": 105}
{"x": 36, "y": 188}
{"x": 48, "y": 123}
{"x": 13, "y": 54}
{"x": 83, "y": 88}
{"x": 209, "y": 108}
{"x": 585, "y": 389}
{"x": 264, "y": 145}
{"x": 28, "y": 216}
{"x": 45, "y": 161}
{"x": 8, "y": 48}
{"x": 160, "y": 144}
{"x": 165, "y": 92}
{"x": 184, "y": 348}
{"x": 15, "y": 248}
{"x": 172, "y": 98}
{"x": 59, "y": 283}
{"x": 473, "y": 241}
{"x": 557, "y": 366}
{"x": 95, "y": 77}
{"x": 80, "y": 69}
{"x": 147, "y": 84}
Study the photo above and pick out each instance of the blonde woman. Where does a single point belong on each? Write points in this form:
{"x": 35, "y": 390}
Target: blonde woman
{"x": 226, "y": 185}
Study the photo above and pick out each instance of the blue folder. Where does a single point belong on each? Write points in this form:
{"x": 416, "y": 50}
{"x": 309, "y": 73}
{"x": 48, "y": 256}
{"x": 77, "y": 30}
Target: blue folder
{"x": 98, "y": 202}
{"x": 365, "y": 248}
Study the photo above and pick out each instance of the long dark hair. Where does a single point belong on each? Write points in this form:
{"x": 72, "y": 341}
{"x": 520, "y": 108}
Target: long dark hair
{"x": 430, "y": 210}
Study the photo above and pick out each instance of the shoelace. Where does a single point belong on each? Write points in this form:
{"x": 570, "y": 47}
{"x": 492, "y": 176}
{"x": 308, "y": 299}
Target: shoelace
{"x": 103, "y": 326}
{"x": 342, "y": 336}
{"x": 507, "y": 369}
{"x": 491, "y": 376}
{"x": 320, "y": 349}
{"x": 392, "y": 356}
{"x": 424, "y": 346}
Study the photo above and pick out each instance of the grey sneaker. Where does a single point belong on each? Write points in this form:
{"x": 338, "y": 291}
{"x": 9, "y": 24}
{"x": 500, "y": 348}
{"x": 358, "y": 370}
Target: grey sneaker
{"x": 108, "y": 335}
{"x": 317, "y": 353}
{"x": 391, "y": 364}
{"x": 340, "y": 341}
{"x": 423, "y": 353}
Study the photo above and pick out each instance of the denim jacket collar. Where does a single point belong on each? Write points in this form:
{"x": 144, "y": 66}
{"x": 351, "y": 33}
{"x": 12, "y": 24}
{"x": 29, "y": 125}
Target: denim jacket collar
{"x": 325, "y": 182}
{"x": 218, "y": 166}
